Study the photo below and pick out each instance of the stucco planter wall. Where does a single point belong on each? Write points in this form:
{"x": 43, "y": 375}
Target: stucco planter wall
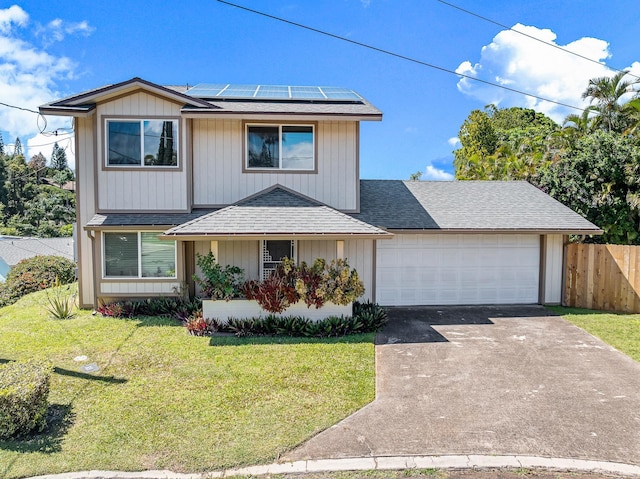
{"x": 244, "y": 308}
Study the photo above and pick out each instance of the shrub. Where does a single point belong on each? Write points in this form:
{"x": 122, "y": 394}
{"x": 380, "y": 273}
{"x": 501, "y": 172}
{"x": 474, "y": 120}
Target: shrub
{"x": 314, "y": 285}
{"x": 367, "y": 318}
{"x": 34, "y": 274}
{"x": 176, "y": 307}
{"x": 199, "y": 326}
{"x": 218, "y": 282}
{"x": 24, "y": 389}
{"x": 60, "y": 301}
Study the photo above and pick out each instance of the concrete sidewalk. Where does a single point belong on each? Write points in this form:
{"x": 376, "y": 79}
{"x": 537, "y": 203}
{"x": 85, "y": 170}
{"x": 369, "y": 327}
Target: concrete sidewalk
{"x": 488, "y": 384}
{"x": 380, "y": 463}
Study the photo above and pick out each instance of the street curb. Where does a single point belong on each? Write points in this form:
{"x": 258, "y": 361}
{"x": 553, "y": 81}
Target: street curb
{"x": 469, "y": 461}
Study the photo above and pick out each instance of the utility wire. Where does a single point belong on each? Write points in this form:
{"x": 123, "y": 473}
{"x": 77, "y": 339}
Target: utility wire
{"x": 40, "y": 115}
{"x": 502, "y": 25}
{"x": 397, "y": 55}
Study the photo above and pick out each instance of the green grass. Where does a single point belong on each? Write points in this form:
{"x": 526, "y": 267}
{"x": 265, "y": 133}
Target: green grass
{"x": 166, "y": 400}
{"x": 622, "y": 331}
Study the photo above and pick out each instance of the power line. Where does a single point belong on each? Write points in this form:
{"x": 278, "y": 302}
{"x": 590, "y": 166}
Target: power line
{"x": 40, "y": 116}
{"x": 469, "y": 12}
{"x": 398, "y": 55}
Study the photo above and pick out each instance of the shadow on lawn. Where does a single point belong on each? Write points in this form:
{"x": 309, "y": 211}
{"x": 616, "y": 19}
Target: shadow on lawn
{"x": 60, "y": 417}
{"x": 91, "y": 377}
{"x": 79, "y": 375}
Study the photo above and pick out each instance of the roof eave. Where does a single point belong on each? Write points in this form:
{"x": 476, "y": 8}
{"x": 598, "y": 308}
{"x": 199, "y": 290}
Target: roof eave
{"x": 117, "y": 88}
{"x": 273, "y": 236}
{"x": 563, "y": 231}
{"x": 82, "y": 111}
{"x": 258, "y": 115}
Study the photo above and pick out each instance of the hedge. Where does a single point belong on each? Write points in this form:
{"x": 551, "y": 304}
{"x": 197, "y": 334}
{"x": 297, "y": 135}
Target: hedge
{"x": 34, "y": 274}
{"x": 24, "y": 390}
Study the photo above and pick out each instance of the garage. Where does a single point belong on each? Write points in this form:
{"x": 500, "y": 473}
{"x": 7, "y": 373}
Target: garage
{"x": 450, "y": 269}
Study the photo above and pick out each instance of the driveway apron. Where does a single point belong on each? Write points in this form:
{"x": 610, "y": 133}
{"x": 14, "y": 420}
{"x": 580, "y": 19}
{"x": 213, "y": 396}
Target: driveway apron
{"x": 491, "y": 380}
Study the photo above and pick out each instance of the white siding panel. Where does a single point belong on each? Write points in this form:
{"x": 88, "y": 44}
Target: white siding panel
{"x": 143, "y": 189}
{"x": 553, "y": 267}
{"x": 138, "y": 288}
{"x": 457, "y": 269}
{"x": 85, "y": 171}
{"x": 359, "y": 255}
{"x": 218, "y": 159}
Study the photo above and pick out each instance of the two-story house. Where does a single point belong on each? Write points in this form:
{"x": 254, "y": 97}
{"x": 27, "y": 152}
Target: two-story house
{"x": 255, "y": 173}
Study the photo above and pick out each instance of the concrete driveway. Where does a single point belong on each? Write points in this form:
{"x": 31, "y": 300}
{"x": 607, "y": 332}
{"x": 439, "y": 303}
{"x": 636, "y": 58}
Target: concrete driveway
{"x": 491, "y": 380}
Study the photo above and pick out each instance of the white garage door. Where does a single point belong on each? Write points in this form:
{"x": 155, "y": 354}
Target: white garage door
{"x": 434, "y": 269}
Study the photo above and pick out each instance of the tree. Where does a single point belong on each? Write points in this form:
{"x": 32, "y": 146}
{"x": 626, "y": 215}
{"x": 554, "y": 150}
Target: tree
{"x": 38, "y": 164}
{"x": 606, "y": 92}
{"x": 58, "y": 158}
{"x": 1, "y": 146}
{"x": 504, "y": 144}
{"x": 600, "y": 179}
{"x": 17, "y": 148}
{"x": 415, "y": 176}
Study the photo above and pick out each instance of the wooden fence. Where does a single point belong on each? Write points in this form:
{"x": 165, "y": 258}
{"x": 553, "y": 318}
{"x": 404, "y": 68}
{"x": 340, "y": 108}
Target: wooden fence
{"x": 605, "y": 277}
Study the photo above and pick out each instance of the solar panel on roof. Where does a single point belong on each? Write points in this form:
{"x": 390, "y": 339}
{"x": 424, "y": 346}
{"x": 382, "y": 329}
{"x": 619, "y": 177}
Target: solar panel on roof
{"x": 239, "y": 91}
{"x": 272, "y": 92}
{"x": 306, "y": 93}
{"x": 337, "y": 93}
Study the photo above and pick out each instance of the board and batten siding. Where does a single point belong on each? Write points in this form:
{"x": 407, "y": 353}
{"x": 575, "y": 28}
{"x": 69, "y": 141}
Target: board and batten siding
{"x": 146, "y": 188}
{"x": 218, "y": 177}
{"x": 86, "y": 206}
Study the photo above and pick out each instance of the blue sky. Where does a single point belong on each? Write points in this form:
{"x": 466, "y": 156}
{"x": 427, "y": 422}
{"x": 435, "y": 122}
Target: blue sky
{"x": 53, "y": 49}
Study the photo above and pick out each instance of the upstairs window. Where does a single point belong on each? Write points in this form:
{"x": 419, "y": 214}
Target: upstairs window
{"x": 280, "y": 147}
{"x": 142, "y": 143}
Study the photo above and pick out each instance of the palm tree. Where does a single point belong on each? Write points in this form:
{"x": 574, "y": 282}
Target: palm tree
{"x": 606, "y": 93}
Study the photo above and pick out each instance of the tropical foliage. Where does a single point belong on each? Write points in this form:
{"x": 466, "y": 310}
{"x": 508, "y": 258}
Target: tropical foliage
{"x": 591, "y": 163}
{"x": 33, "y": 200}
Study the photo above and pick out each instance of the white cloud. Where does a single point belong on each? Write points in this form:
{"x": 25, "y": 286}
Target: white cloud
{"x": 453, "y": 141}
{"x": 57, "y": 29}
{"x": 521, "y": 63}
{"x": 365, "y": 3}
{"x": 436, "y": 174}
{"x": 12, "y": 15}
{"x": 28, "y": 77}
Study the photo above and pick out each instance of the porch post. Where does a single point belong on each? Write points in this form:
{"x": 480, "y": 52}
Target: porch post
{"x": 214, "y": 250}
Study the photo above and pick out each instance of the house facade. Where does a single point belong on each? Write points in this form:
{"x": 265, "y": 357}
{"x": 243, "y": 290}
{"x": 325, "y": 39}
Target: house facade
{"x": 254, "y": 173}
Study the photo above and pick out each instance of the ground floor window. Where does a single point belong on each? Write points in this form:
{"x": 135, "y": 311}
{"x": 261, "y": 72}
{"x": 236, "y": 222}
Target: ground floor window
{"x": 138, "y": 255}
{"x": 272, "y": 252}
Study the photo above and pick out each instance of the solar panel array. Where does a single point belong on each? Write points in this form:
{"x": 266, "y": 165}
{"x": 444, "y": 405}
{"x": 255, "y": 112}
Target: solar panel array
{"x": 211, "y": 91}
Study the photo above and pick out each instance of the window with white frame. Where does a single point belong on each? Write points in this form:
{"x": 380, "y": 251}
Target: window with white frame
{"x": 138, "y": 255}
{"x": 141, "y": 143}
{"x": 272, "y": 252}
{"x": 281, "y": 147}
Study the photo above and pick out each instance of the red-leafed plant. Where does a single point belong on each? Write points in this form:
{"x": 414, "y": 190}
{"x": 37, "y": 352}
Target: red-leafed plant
{"x": 276, "y": 293}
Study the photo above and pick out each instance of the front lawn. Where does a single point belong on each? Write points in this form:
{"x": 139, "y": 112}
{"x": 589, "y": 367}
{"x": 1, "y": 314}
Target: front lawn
{"x": 163, "y": 399}
{"x": 622, "y": 331}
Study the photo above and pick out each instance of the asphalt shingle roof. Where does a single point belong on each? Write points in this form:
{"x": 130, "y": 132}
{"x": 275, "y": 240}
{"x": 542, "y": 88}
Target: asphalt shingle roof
{"x": 13, "y": 250}
{"x": 465, "y": 205}
{"x": 276, "y": 211}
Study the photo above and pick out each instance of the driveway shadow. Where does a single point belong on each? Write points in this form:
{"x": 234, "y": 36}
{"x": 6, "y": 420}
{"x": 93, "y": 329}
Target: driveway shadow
{"x": 414, "y": 324}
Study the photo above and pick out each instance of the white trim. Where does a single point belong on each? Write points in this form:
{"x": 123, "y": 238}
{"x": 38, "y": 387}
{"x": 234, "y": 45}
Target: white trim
{"x": 140, "y": 277}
